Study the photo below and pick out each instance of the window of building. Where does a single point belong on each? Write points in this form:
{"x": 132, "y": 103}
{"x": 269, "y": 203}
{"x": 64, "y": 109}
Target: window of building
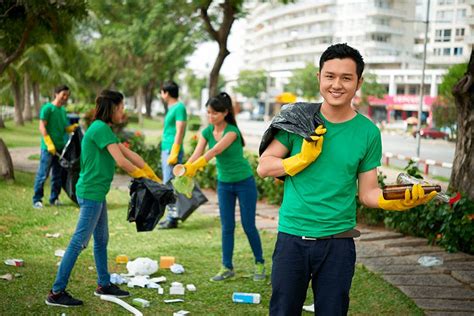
{"x": 380, "y": 37}
{"x": 460, "y": 32}
{"x": 457, "y": 51}
{"x": 437, "y": 51}
{"x": 446, "y": 51}
{"x": 443, "y": 35}
{"x": 382, "y": 4}
{"x": 444, "y": 15}
{"x": 461, "y": 13}
{"x": 443, "y": 2}
{"x": 400, "y": 90}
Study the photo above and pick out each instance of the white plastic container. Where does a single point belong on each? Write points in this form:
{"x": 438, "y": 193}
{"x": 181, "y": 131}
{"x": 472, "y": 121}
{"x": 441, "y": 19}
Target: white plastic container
{"x": 246, "y": 298}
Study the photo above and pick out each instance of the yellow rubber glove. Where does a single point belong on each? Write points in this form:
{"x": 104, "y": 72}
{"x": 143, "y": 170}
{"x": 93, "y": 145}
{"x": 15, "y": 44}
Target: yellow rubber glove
{"x": 71, "y": 128}
{"x": 193, "y": 167}
{"x": 417, "y": 197}
{"x": 137, "y": 173}
{"x": 50, "y": 145}
{"x": 173, "y": 158}
{"x": 309, "y": 153}
{"x": 151, "y": 174}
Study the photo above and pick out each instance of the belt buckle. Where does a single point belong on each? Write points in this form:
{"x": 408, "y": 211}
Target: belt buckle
{"x": 308, "y": 238}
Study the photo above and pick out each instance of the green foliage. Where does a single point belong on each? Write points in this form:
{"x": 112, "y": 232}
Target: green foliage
{"x": 304, "y": 82}
{"x": 150, "y": 153}
{"x": 195, "y": 85}
{"x": 413, "y": 170}
{"x": 79, "y": 107}
{"x": 371, "y": 88}
{"x": 454, "y": 74}
{"x": 445, "y": 114}
{"x": 193, "y": 123}
{"x": 251, "y": 83}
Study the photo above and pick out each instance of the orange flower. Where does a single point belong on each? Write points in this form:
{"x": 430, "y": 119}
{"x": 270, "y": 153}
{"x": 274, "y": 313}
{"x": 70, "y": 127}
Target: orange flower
{"x": 471, "y": 216}
{"x": 438, "y": 236}
{"x": 138, "y": 133}
{"x": 126, "y": 144}
{"x": 194, "y": 137}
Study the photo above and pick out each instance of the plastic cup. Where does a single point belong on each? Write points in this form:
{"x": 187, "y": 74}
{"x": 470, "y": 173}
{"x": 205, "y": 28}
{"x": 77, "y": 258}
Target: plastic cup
{"x": 179, "y": 170}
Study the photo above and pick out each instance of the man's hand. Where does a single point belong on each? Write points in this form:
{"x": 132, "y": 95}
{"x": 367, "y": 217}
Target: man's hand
{"x": 415, "y": 198}
{"x": 138, "y": 173}
{"x": 50, "y": 145}
{"x": 71, "y": 128}
{"x": 173, "y": 157}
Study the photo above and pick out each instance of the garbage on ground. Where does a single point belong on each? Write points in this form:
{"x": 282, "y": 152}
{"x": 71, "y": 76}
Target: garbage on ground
{"x": 121, "y": 259}
{"x": 166, "y": 261}
{"x": 55, "y": 235}
{"x": 429, "y": 261}
{"x": 140, "y": 302}
{"x": 176, "y": 300}
{"x": 177, "y": 268}
{"x": 247, "y": 298}
{"x": 139, "y": 280}
{"x": 14, "y": 262}
{"x": 158, "y": 279}
{"x": 7, "y": 277}
{"x": 118, "y": 301}
{"x": 181, "y": 312}
{"x": 191, "y": 287}
{"x": 59, "y": 253}
{"x": 176, "y": 288}
{"x": 117, "y": 279}
{"x": 161, "y": 291}
{"x": 309, "y": 308}
{"x": 142, "y": 266}
{"x": 153, "y": 285}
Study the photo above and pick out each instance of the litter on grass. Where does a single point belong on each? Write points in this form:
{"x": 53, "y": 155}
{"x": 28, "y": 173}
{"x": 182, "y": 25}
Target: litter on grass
{"x": 142, "y": 266}
{"x": 177, "y": 268}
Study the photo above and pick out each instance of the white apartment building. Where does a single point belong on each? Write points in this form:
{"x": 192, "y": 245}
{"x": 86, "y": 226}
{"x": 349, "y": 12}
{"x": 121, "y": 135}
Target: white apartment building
{"x": 281, "y": 38}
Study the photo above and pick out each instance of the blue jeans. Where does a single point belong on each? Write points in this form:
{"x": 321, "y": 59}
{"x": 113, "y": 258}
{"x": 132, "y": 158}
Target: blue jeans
{"x": 167, "y": 176}
{"x": 92, "y": 220}
{"x": 227, "y": 194}
{"x": 328, "y": 263}
{"x": 48, "y": 163}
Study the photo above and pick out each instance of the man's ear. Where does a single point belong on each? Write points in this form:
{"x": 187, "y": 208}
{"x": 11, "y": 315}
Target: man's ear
{"x": 359, "y": 84}
{"x": 318, "y": 76}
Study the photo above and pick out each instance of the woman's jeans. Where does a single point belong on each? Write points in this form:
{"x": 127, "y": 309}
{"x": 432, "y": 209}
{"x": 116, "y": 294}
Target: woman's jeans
{"x": 48, "y": 163}
{"x": 246, "y": 192}
{"x": 167, "y": 176}
{"x": 92, "y": 220}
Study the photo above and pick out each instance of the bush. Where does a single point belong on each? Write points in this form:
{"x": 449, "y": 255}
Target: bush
{"x": 194, "y": 123}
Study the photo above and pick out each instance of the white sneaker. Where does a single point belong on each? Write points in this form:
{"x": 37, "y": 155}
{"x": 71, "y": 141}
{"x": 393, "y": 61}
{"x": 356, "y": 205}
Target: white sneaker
{"x": 56, "y": 203}
{"x": 38, "y": 205}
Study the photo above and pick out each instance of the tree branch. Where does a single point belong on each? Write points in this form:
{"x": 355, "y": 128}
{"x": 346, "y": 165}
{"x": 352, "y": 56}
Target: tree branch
{"x": 203, "y": 10}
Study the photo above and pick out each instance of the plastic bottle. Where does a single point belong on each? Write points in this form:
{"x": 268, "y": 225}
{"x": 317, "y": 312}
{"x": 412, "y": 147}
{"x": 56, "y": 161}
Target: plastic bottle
{"x": 247, "y": 298}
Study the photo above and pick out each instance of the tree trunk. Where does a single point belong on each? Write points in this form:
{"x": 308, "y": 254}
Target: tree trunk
{"x": 463, "y": 166}
{"x": 16, "y": 90}
{"x": 27, "y": 99}
{"x": 36, "y": 99}
{"x": 2, "y": 124}
{"x": 6, "y": 164}
{"x": 149, "y": 94}
{"x": 140, "y": 100}
{"x": 214, "y": 76}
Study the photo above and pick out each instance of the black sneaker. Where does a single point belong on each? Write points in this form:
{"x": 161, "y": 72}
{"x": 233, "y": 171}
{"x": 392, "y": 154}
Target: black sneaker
{"x": 168, "y": 224}
{"x": 112, "y": 290}
{"x": 63, "y": 299}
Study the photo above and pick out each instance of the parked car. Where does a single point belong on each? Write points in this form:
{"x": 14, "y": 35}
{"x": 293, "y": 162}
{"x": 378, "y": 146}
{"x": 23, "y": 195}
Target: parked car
{"x": 430, "y": 132}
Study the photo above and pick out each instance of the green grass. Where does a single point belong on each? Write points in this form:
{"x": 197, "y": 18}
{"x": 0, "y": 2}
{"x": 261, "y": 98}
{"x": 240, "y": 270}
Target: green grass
{"x": 196, "y": 245}
{"x": 21, "y": 136}
{"x": 155, "y": 123}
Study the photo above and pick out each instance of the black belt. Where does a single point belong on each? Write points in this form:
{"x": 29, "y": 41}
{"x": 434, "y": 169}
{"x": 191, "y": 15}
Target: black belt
{"x": 353, "y": 233}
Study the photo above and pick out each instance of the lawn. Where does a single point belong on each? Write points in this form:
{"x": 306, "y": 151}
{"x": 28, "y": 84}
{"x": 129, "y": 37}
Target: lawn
{"x": 21, "y": 136}
{"x": 196, "y": 245}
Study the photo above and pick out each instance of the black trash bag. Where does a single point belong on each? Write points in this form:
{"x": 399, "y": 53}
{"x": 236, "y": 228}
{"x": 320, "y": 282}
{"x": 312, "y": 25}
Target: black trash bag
{"x": 186, "y": 206}
{"x": 70, "y": 160}
{"x": 300, "y": 118}
{"x": 148, "y": 200}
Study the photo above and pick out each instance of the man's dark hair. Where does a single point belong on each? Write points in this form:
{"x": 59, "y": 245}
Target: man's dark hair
{"x": 61, "y": 88}
{"x": 105, "y": 105}
{"x": 341, "y": 51}
{"x": 172, "y": 88}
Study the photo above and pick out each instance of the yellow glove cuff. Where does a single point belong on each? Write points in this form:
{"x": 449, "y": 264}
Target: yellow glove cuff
{"x": 50, "y": 145}
{"x": 173, "y": 158}
{"x": 137, "y": 173}
{"x": 71, "y": 128}
{"x": 150, "y": 173}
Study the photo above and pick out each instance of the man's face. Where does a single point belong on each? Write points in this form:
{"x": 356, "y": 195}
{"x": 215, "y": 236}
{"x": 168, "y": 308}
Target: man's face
{"x": 164, "y": 96}
{"x": 338, "y": 81}
{"x": 62, "y": 97}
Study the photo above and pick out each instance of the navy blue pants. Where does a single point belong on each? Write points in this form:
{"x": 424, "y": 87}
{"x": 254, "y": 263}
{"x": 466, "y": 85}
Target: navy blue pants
{"x": 329, "y": 263}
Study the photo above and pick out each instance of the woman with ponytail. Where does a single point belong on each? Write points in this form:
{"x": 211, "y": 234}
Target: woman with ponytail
{"x": 234, "y": 181}
{"x": 101, "y": 151}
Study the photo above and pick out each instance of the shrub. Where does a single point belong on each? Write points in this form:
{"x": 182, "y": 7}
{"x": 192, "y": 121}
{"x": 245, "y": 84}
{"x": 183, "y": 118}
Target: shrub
{"x": 194, "y": 123}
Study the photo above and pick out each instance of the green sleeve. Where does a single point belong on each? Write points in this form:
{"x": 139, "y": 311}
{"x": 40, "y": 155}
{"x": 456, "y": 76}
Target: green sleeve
{"x": 373, "y": 155}
{"x": 284, "y": 138}
{"x": 181, "y": 114}
{"x": 45, "y": 112}
{"x": 104, "y": 137}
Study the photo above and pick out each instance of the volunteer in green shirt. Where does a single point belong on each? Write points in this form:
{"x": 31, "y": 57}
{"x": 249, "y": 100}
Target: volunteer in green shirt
{"x": 323, "y": 177}
{"x": 54, "y": 127}
{"x": 234, "y": 181}
{"x": 100, "y": 152}
{"x": 171, "y": 142}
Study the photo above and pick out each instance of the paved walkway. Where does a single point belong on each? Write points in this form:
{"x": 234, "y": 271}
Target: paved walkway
{"x": 447, "y": 289}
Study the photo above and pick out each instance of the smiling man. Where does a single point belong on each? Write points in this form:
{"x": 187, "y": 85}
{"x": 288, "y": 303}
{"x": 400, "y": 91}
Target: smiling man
{"x": 318, "y": 213}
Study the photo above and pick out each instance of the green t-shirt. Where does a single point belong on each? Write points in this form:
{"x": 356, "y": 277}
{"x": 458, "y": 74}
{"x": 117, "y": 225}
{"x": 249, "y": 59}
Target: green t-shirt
{"x": 97, "y": 164}
{"x": 231, "y": 164}
{"x": 176, "y": 113}
{"x": 56, "y": 122}
{"x": 321, "y": 200}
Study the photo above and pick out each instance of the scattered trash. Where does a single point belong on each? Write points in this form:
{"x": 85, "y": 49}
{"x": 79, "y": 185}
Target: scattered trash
{"x": 140, "y": 302}
{"x": 153, "y": 285}
{"x": 191, "y": 287}
{"x": 142, "y": 266}
{"x": 161, "y": 291}
{"x": 429, "y": 261}
{"x": 177, "y": 268}
{"x": 7, "y": 277}
{"x": 166, "y": 262}
{"x": 176, "y": 288}
{"x": 181, "y": 312}
{"x": 309, "y": 308}
{"x": 55, "y": 235}
{"x": 117, "y": 279}
{"x": 176, "y": 300}
{"x": 59, "y": 253}
{"x": 14, "y": 262}
{"x": 247, "y": 298}
{"x": 139, "y": 280}
{"x": 158, "y": 279}
{"x": 91, "y": 268}
{"x": 118, "y": 301}
{"x": 121, "y": 259}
